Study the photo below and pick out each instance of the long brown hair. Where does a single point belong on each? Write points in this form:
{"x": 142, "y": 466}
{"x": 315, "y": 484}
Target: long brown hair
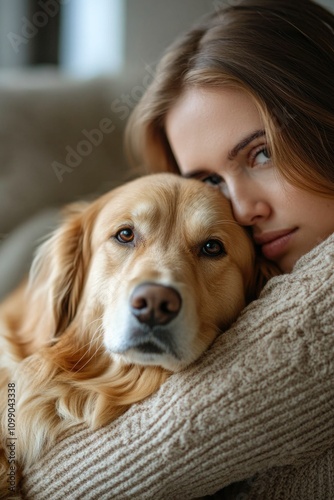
{"x": 279, "y": 51}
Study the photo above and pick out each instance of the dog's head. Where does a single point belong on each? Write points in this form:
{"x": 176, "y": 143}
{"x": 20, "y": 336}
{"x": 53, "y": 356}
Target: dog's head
{"x": 150, "y": 272}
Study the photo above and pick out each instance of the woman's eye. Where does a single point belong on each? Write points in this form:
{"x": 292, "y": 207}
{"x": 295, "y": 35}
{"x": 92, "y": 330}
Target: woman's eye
{"x": 125, "y": 235}
{"x": 217, "y": 180}
{"x": 213, "y": 178}
{"x": 260, "y": 157}
{"x": 213, "y": 248}
{"x": 204, "y": 176}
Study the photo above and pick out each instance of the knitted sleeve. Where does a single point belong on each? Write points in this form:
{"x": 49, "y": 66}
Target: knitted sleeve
{"x": 260, "y": 398}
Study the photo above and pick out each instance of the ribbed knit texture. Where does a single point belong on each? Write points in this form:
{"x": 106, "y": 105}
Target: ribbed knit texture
{"x": 259, "y": 404}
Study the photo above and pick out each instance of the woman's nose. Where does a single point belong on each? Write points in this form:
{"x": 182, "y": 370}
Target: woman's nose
{"x": 249, "y": 206}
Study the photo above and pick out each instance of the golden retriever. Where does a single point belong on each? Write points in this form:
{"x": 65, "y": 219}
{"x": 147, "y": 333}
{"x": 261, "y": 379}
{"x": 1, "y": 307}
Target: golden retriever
{"x": 128, "y": 289}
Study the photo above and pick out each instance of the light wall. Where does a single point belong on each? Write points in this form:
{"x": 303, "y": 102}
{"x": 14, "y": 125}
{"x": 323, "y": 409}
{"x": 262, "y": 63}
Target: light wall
{"x": 153, "y": 24}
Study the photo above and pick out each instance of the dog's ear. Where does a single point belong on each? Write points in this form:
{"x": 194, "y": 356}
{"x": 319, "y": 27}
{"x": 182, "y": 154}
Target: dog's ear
{"x": 263, "y": 271}
{"x": 58, "y": 273}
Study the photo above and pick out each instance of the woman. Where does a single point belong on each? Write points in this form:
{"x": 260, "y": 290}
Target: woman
{"x": 223, "y": 85}
{"x": 246, "y": 96}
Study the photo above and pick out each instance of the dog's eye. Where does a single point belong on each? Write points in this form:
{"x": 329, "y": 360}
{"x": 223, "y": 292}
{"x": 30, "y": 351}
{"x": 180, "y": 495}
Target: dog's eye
{"x": 125, "y": 235}
{"x": 213, "y": 248}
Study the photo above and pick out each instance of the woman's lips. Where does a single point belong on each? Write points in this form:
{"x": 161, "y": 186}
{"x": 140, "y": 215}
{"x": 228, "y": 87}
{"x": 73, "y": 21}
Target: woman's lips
{"x": 275, "y": 243}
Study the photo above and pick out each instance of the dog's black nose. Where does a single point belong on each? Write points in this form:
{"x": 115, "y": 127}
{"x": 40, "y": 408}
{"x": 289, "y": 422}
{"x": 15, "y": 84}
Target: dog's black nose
{"x": 155, "y": 304}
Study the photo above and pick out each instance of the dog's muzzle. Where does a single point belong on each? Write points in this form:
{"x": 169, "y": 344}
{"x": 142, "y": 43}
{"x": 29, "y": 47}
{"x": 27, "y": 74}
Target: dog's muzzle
{"x": 153, "y": 307}
{"x": 148, "y": 332}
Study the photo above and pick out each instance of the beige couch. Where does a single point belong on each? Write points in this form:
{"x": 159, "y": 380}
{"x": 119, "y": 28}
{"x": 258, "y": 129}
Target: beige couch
{"x": 61, "y": 140}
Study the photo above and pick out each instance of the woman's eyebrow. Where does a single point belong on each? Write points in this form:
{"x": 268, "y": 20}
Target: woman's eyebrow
{"x": 244, "y": 143}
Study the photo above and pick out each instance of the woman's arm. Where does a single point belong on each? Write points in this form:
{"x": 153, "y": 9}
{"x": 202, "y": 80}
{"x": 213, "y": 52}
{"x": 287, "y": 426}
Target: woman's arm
{"x": 263, "y": 396}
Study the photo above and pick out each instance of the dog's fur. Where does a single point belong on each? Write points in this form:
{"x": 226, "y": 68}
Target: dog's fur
{"x": 69, "y": 339}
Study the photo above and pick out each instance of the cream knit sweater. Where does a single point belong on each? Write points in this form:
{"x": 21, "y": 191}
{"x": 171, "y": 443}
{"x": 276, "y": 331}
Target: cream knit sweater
{"x": 259, "y": 404}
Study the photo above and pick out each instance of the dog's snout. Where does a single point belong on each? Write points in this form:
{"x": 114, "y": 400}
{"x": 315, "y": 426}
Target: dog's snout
{"x": 155, "y": 304}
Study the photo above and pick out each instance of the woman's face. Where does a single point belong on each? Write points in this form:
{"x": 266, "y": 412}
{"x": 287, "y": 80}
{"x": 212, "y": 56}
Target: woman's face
{"x": 221, "y": 131}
